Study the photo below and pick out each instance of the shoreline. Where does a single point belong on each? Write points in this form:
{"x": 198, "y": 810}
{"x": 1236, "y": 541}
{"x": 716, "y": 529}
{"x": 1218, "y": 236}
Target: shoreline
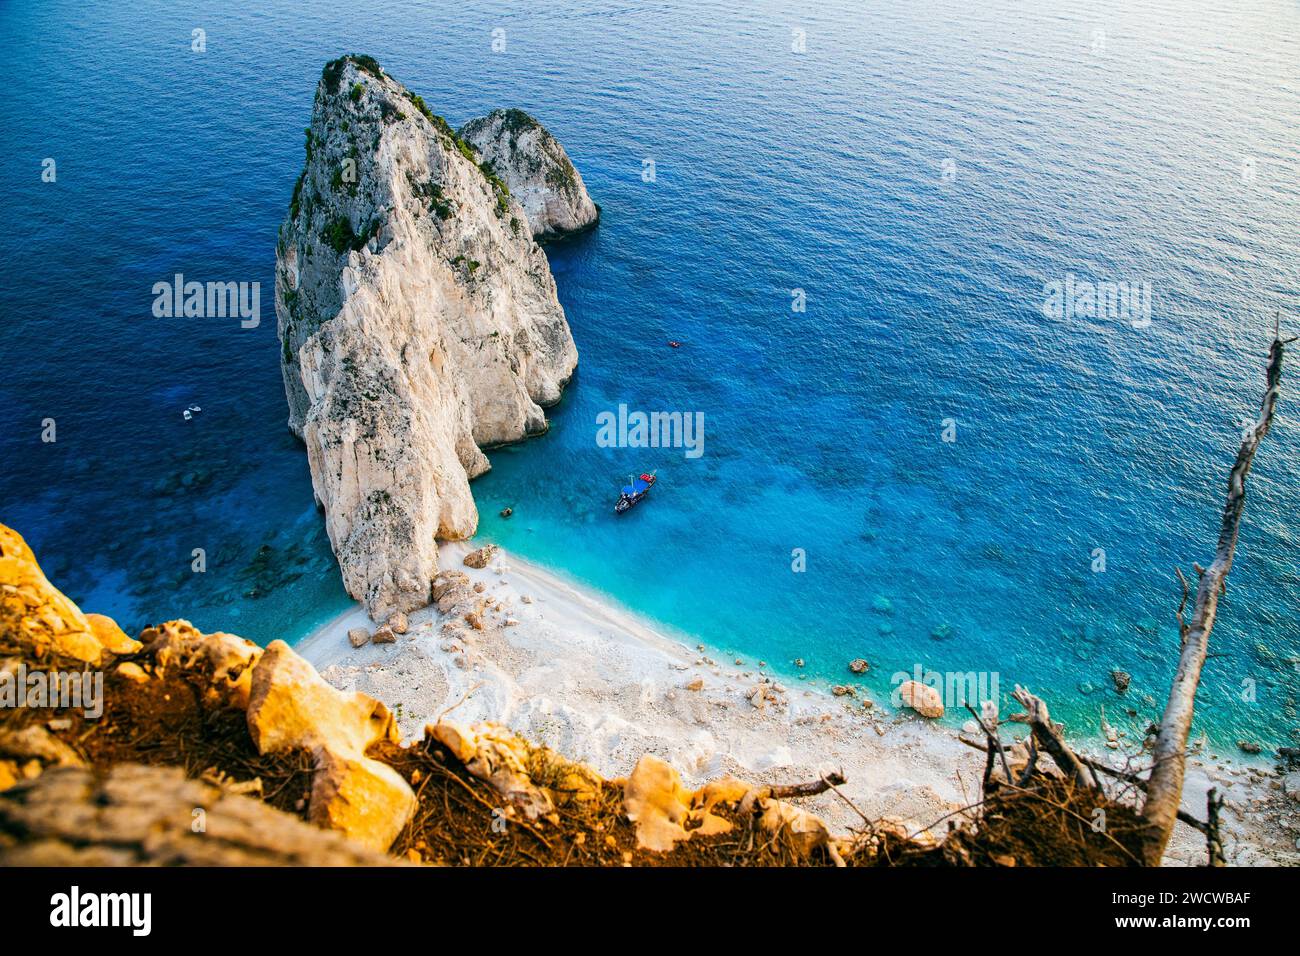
{"x": 597, "y": 683}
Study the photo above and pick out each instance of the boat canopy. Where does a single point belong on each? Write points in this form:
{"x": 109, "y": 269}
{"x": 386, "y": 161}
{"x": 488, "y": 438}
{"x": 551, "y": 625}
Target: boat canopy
{"x": 636, "y": 488}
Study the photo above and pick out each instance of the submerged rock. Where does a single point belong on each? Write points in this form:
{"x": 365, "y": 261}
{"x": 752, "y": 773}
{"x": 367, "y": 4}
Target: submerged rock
{"x": 536, "y": 169}
{"x": 418, "y": 320}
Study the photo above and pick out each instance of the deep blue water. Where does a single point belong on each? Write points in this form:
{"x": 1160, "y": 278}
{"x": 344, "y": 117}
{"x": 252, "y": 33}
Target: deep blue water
{"x": 1120, "y": 156}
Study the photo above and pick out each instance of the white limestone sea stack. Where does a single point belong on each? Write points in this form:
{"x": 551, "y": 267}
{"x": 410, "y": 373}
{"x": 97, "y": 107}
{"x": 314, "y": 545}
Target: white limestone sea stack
{"x": 536, "y": 169}
{"x": 418, "y": 322}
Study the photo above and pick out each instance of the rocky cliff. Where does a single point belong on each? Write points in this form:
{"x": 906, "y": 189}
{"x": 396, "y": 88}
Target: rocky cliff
{"x": 536, "y": 169}
{"x": 418, "y": 321}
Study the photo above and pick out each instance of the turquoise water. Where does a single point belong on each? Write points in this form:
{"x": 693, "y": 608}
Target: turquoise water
{"x": 1162, "y": 150}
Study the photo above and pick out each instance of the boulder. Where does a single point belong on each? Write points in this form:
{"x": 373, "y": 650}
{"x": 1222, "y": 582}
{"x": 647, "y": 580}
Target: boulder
{"x": 291, "y": 708}
{"x": 859, "y": 665}
{"x": 453, "y": 599}
{"x": 133, "y": 672}
{"x": 225, "y": 659}
{"x": 657, "y": 803}
{"x": 499, "y": 757}
{"x": 358, "y": 636}
{"x": 132, "y": 815}
{"x": 537, "y": 171}
{"x": 398, "y": 622}
{"x": 481, "y": 557}
{"x": 448, "y": 581}
{"x": 40, "y": 619}
{"x": 925, "y": 700}
{"x": 1291, "y": 785}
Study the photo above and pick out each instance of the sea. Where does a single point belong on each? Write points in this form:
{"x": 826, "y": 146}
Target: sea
{"x": 971, "y": 301}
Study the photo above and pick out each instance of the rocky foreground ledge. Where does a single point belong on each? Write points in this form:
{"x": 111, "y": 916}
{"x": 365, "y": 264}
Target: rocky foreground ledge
{"x": 211, "y": 750}
{"x": 418, "y": 321}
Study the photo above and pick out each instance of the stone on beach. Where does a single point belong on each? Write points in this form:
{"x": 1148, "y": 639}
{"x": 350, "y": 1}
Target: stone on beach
{"x": 448, "y": 581}
{"x": 358, "y": 636}
{"x": 925, "y": 700}
{"x": 480, "y": 557}
{"x": 398, "y": 622}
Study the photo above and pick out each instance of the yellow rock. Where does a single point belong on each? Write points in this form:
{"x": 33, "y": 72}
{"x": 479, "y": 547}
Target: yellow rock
{"x": 41, "y": 618}
{"x": 291, "y": 707}
{"x": 133, "y": 672}
{"x": 227, "y": 659}
{"x": 657, "y": 803}
{"x": 110, "y": 635}
{"x": 805, "y": 831}
{"x": 498, "y": 756}
{"x": 922, "y": 698}
{"x": 502, "y": 758}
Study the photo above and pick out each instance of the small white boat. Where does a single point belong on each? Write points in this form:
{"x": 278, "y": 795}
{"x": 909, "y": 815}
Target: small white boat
{"x": 187, "y": 414}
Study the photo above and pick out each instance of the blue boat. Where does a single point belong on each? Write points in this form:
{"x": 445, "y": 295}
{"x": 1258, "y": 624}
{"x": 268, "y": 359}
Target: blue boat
{"x": 634, "y": 492}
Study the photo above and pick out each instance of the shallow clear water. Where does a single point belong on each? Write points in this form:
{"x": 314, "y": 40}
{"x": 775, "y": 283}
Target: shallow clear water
{"x": 1114, "y": 157}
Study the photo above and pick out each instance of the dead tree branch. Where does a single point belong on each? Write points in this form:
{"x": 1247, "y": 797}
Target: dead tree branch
{"x": 1128, "y": 776}
{"x": 994, "y": 743}
{"x": 791, "y": 790}
{"x": 1050, "y": 739}
{"x": 1213, "y": 839}
{"x": 1165, "y": 787}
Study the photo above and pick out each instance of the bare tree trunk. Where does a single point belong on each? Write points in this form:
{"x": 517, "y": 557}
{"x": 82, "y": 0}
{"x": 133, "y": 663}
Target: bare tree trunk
{"x": 1165, "y": 787}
